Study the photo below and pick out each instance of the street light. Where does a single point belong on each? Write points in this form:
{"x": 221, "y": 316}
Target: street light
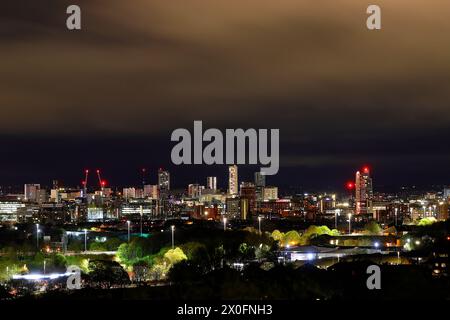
{"x": 173, "y": 238}
{"x": 85, "y": 240}
{"x": 37, "y": 236}
{"x": 142, "y": 214}
{"x": 128, "y": 223}
{"x": 224, "y": 223}
{"x": 349, "y": 223}
{"x": 336, "y": 213}
{"x": 396, "y": 210}
{"x": 259, "y": 224}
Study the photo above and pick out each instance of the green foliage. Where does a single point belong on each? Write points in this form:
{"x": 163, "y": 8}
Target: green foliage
{"x": 174, "y": 256}
{"x": 112, "y": 244}
{"x": 372, "y": 227}
{"x": 277, "y": 235}
{"x": 427, "y": 221}
{"x": 291, "y": 238}
{"x": 107, "y": 272}
{"x": 262, "y": 252}
{"x": 75, "y": 246}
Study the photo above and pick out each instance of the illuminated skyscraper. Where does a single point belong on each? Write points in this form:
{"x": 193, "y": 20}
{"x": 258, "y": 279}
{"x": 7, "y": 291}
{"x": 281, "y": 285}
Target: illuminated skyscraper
{"x": 211, "y": 183}
{"x": 31, "y": 192}
{"x": 260, "y": 179}
{"x": 233, "y": 180}
{"x": 363, "y": 191}
{"x": 248, "y": 192}
{"x": 260, "y": 183}
{"x": 163, "y": 180}
{"x": 195, "y": 190}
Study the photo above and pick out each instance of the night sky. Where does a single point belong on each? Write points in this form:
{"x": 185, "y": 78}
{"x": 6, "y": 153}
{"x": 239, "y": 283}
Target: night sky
{"x": 110, "y": 95}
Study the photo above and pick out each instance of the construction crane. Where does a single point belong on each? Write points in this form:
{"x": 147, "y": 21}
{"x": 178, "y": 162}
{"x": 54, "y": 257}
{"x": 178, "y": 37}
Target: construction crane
{"x": 85, "y": 181}
{"x": 101, "y": 182}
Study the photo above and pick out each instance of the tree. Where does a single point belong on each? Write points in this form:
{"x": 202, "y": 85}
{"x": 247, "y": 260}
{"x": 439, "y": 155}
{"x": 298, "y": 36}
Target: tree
{"x": 184, "y": 271}
{"x": 277, "y": 235}
{"x": 427, "y": 221}
{"x": 372, "y": 227}
{"x": 141, "y": 271}
{"x": 291, "y": 238}
{"x": 174, "y": 256}
{"x": 107, "y": 272}
{"x": 261, "y": 252}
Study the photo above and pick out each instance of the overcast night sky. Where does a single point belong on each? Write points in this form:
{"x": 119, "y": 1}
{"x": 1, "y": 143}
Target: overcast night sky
{"x": 110, "y": 95}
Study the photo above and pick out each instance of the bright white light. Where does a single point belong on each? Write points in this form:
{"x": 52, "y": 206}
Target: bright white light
{"x": 37, "y": 277}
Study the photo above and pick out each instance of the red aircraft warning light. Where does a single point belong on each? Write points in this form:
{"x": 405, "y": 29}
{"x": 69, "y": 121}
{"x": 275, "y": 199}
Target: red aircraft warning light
{"x": 350, "y": 185}
{"x": 366, "y": 169}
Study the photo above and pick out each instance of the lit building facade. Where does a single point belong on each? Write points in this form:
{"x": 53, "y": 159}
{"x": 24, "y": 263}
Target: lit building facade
{"x": 363, "y": 191}
{"x": 32, "y": 192}
{"x": 233, "y": 180}
{"x": 163, "y": 180}
{"x": 211, "y": 183}
{"x": 270, "y": 193}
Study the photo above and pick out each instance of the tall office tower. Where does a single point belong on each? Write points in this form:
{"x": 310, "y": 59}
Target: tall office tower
{"x": 248, "y": 192}
{"x": 260, "y": 183}
{"x": 32, "y": 192}
{"x": 363, "y": 191}
{"x": 447, "y": 193}
{"x": 195, "y": 190}
{"x": 270, "y": 193}
{"x": 211, "y": 183}
{"x": 163, "y": 180}
{"x": 151, "y": 191}
{"x": 260, "y": 179}
{"x": 233, "y": 180}
{"x": 129, "y": 193}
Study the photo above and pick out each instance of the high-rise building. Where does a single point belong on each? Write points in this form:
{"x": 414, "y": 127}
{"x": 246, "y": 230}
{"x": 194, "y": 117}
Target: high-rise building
{"x": 195, "y": 190}
{"x": 211, "y": 183}
{"x": 260, "y": 183}
{"x": 363, "y": 191}
{"x": 233, "y": 180}
{"x": 446, "y": 193}
{"x": 163, "y": 180}
{"x": 248, "y": 192}
{"x": 31, "y": 192}
{"x": 129, "y": 193}
{"x": 270, "y": 193}
{"x": 151, "y": 191}
{"x": 260, "y": 179}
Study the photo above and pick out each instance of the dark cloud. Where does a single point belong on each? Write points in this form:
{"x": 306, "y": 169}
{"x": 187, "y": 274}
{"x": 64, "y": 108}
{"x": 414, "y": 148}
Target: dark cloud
{"x": 312, "y": 69}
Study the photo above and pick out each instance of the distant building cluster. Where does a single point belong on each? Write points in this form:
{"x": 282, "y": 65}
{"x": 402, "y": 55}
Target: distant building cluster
{"x": 242, "y": 200}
